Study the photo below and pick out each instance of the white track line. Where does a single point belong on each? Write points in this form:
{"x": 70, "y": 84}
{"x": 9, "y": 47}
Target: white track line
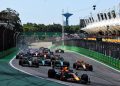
{"x": 60, "y": 82}
{"x": 95, "y": 60}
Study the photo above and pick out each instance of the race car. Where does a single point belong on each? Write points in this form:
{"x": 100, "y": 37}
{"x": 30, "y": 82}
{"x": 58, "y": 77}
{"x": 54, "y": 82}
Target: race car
{"x": 59, "y": 51}
{"x": 19, "y": 55}
{"x": 58, "y": 62}
{"x": 44, "y": 62}
{"x": 82, "y": 65}
{"x": 29, "y": 62}
{"x": 69, "y": 76}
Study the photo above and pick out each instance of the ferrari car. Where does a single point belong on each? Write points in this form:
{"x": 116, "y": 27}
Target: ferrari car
{"x": 82, "y": 65}
{"x": 59, "y": 51}
{"x": 29, "y": 62}
{"x": 69, "y": 76}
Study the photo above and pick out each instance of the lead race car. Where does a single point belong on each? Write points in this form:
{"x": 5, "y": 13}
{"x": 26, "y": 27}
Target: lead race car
{"x": 68, "y": 75}
{"x": 80, "y": 64}
{"x": 59, "y": 51}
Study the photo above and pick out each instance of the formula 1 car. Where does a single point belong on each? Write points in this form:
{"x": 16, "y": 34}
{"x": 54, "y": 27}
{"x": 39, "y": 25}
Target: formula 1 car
{"x": 29, "y": 62}
{"x": 59, "y": 62}
{"x": 82, "y": 65}
{"x": 19, "y": 55}
{"x": 59, "y": 51}
{"x": 69, "y": 76}
{"x": 44, "y": 62}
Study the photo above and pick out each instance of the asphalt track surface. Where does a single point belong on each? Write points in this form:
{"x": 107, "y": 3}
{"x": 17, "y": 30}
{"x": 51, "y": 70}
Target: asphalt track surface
{"x": 12, "y": 77}
{"x": 100, "y": 76}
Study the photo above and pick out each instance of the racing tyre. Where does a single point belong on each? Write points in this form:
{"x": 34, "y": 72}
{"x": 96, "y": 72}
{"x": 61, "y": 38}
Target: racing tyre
{"x": 66, "y": 64}
{"x": 84, "y": 79}
{"x": 17, "y": 57}
{"x": 51, "y": 73}
{"x": 90, "y": 68}
{"x": 37, "y": 65}
{"x": 74, "y": 65}
{"x": 20, "y": 63}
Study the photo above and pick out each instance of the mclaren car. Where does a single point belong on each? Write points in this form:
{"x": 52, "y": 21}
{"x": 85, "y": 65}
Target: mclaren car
{"x": 80, "y": 64}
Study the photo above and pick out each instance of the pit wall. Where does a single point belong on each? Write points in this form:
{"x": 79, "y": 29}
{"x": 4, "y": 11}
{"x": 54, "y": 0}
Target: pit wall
{"x": 112, "y": 62}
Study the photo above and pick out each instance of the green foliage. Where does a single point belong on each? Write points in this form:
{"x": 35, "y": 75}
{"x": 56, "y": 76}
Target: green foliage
{"x": 12, "y": 17}
{"x": 33, "y": 27}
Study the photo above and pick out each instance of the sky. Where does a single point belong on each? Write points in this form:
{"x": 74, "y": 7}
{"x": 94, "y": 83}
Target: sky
{"x": 49, "y": 11}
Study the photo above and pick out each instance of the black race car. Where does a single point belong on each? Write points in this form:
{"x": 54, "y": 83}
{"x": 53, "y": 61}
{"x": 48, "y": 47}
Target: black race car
{"x": 19, "y": 55}
{"x": 69, "y": 76}
{"x": 59, "y": 51}
{"x": 29, "y": 62}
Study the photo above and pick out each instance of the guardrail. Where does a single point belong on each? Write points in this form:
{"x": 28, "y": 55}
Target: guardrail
{"x": 113, "y": 62}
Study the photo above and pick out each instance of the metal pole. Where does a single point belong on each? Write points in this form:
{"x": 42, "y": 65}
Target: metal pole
{"x": 62, "y": 28}
{"x": 16, "y": 38}
{"x": 4, "y": 37}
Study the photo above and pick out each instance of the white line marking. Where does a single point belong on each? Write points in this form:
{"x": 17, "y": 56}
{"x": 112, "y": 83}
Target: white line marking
{"x": 60, "y": 82}
{"x": 95, "y": 60}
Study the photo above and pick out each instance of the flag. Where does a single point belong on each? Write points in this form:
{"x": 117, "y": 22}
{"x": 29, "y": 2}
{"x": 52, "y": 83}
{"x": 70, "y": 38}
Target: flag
{"x": 113, "y": 13}
{"x": 85, "y": 21}
{"x": 90, "y": 19}
{"x": 102, "y": 16}
{"x": 98, "y": 16}
{"x": 105, "y": 15}
{"x": 109, "y": 15}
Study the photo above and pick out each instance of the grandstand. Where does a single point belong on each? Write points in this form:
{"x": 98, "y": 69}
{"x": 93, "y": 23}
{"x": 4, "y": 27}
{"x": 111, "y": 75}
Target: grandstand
{"x": 105, "y": 25}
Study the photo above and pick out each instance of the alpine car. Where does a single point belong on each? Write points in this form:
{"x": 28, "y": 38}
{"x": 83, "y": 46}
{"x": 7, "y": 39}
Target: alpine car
{"x": 58, "y": 62}
{"x": 82, "y": 65}
{"x": 59, "y": 51}
{"x": 67, "y": 75}
{"x": 44, "y": 62}
{"x": 29, "y": 62}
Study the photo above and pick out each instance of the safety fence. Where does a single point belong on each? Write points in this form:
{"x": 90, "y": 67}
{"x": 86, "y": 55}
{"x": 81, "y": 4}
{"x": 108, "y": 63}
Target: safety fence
{"x": 43, "y": 34}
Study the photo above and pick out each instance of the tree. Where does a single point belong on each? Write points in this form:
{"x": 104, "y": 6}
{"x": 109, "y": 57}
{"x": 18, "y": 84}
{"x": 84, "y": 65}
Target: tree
{"x": 10, "y": 16}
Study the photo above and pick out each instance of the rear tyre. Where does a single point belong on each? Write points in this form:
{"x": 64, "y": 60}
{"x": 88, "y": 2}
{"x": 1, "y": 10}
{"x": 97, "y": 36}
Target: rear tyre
{"x": 90, "y": 68}
{"x": 84, "y": 79}
{"x": 20, "y": 63}
{"x": 37, "y": 65}
{"x": 51, "y": 73}
{"x": 74, "y": 65}
{"x": 17, "y": 57}
{"x": 66, "y": 64}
